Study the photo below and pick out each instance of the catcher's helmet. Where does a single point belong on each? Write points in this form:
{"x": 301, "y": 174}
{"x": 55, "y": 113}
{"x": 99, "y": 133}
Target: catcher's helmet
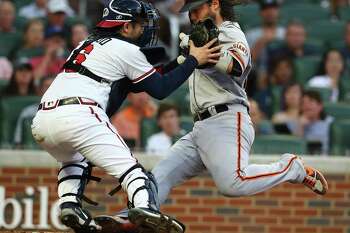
{"x": 119, "y": 12}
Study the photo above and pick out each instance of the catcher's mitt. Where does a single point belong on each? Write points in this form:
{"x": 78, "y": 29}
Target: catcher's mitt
{"x": 203, "y": 32}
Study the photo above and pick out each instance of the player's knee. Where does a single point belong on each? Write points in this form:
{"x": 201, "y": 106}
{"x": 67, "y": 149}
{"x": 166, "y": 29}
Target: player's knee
{"x": 287, "y": 157}
{"x": 232, "y": 190}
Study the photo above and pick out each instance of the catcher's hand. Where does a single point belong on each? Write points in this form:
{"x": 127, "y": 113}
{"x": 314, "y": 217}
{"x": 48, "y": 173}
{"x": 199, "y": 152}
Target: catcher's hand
{"x": 201, "y": 33}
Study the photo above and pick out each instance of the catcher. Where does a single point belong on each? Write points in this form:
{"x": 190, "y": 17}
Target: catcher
{"x": 223, "y": 133}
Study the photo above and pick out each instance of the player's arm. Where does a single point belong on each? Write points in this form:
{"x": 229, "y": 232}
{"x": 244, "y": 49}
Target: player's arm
{"x": 234, "y": 60}
{"x": 160, "y": 86}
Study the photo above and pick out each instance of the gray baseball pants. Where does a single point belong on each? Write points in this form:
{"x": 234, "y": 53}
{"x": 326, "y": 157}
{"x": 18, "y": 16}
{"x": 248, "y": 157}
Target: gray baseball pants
{"x": 221, "y": 145}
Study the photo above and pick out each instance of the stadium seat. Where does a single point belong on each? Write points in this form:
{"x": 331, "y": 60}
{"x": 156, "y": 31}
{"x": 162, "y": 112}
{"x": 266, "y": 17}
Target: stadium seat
{"x": 345, "y": 87}
{"x": 21, "y": 3}
{"x": 248, "y": 15}
{"x": 10, "y": 108}
{"x": 304, "y": 12}
{"x": 148, "y": 127}
{"x": 28, "y": 53}
{"x": 289, "y": 2}
{"x": 9, "y": 42}
{"x": 279, "y": 144}
{"x": 344, "y": 13}
{"x": 338, "y": 110}
{"x": 186, "y": 123}
{"x": 317, "y": 44}
{"x": 20, "y": 23}
{"x": 28, "y": 141}
{"x": 181, "y": 97}
{"x": 305, "y": 68}
{"x": 3, "y": 84}
{"x": 336, "y": 44}
{"x": 276, "y": 92}
{"x": 340, "y": 140}
{"x": 326, "y": 30}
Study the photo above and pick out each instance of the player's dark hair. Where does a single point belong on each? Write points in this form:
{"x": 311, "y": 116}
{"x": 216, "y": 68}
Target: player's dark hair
{"x": 164, "y": 107}
{"x": 322, "y": 67}
{"x": 284, "y": 91}
{"x": 98, "y": 32}
{"x": 295, "y": 22}
{"x": 314, "y": 95}
{"x": 12, "y": 89}
{"x": 226, "y": 10}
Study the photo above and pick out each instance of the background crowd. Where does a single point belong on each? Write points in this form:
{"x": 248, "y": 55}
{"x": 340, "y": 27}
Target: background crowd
{"x": 299, "y": 88}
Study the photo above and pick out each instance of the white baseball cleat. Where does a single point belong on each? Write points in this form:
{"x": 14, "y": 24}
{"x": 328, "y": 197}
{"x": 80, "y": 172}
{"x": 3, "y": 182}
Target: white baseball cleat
{"x": 315, "y": 181}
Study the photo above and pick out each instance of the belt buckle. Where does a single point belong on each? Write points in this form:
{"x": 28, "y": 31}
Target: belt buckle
{"x": 106, "y": 81}
{"x": 49, "y": 105}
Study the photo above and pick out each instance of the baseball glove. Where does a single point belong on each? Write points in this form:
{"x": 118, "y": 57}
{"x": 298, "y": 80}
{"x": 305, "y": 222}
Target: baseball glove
{"x": 203, "y": 32}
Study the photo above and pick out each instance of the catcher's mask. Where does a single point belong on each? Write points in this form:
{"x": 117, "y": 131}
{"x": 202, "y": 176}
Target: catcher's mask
{"x": 119, "y": 12}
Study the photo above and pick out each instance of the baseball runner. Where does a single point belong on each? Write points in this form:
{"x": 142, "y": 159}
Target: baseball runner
{"x": 223, "y": 132}
{"x": 72, "y": 124}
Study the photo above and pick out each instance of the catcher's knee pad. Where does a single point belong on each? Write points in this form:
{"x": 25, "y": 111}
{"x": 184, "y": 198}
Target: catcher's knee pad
{"x": 72, "y": 180}
{"x": 136, "y": 180}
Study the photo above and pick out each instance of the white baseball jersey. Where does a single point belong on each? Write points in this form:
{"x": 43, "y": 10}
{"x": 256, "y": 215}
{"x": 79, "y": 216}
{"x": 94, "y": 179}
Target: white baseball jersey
{"x": 209, "y": 86}
{"x": 109, "y": 58}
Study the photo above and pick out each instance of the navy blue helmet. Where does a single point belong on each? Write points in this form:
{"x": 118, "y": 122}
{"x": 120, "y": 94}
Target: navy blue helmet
{"x": 119, "y": 12}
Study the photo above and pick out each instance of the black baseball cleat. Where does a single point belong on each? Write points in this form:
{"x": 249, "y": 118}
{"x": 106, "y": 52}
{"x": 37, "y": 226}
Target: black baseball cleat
{"x": 155, "y": 221}
{"x": 117, "y": 224}
{"x": 73, "y": 216}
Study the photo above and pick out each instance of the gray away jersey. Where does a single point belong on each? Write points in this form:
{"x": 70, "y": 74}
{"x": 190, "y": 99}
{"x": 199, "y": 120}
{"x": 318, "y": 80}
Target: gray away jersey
{"x": 209, "y": 86}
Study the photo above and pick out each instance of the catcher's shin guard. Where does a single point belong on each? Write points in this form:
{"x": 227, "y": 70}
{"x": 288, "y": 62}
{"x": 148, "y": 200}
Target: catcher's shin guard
{"x": 143, "y": 202}
{"x": 72, "y": 180}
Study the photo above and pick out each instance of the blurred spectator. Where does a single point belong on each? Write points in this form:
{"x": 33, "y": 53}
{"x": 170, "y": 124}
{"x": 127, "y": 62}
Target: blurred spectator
{"x": 5, "y": 69}
{"x": 168, "y": 119}
{"x": 258, "y": 38}
{"x": 128, "y": 120}
{"x": 37, "y": 9}
{"x": 346, "y": 49}
{"x": 54, "y": 57}
{"x": 79, "y": 32}
{"x": 30, "y": 111}
{"x": 314, "y": 124}
{"x": 330, "y": 72}
{"x": 21, "y": 82}
{"x": 57, "y": 16}
{"x": 10, "y": 38}
{"x": 286, "y": 121}
{"x": 280, "y": 74}
{"x": 335, "y": 5}
{"x": 281, "y": 71}
{"x": 261, "y": 125}
{"x": 294, "y": 46}
{"x": 33, "y": 41}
